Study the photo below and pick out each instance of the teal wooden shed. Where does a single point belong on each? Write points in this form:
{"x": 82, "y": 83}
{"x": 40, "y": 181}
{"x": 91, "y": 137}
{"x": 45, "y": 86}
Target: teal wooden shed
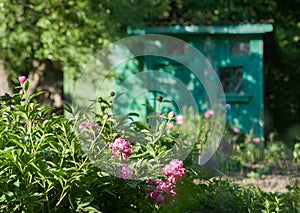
{"x": 236, "y": 52}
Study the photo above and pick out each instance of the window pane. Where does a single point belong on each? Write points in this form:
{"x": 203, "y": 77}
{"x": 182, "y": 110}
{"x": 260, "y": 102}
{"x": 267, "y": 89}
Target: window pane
{"x": 232, "y": 79}
{"x": 238, "y": 80}
{"x": 226, "y": 79}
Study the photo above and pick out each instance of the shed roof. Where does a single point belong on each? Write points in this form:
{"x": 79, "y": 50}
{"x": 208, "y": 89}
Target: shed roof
{"x": 271, "y": 48}
{"x": 206, "y": 29}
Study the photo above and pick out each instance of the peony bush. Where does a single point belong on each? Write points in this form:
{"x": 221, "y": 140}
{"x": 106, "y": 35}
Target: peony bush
{"x": 45, "y": 167}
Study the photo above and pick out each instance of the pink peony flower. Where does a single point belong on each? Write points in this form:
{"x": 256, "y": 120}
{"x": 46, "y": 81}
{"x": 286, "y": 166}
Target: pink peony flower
{"x": 171, "y": 115}
{"x": 155, "y": 182}
{"x": 256, "y": 140}
{"x": 158, "y": 198}
{"x": 164, "y": 193}
{"x": 208, "y": 113}
{"x": 236, "y": 130}
{"x": 125, "y": 172}
{"x": 179, "y": 120}
{"x": 166, "y": 187}
{"x": 87, "y": 124}
{"x": 121, "y": 147}
{"x": 22, "y": 79}
{"x": 170, "y": 126}
{"x": 174, "y": 171}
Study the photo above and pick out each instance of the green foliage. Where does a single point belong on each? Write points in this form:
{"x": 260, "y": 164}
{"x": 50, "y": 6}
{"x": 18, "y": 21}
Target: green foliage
{"x": 68, "y": 32}
{"x": 275, "y": 153}
{"x": 222, "y": 196}
{"x": 296, "y": 152}
{"x": 240, "y": 154}
{"x": 222, "y": 12}
{"x": 43, "y": 168}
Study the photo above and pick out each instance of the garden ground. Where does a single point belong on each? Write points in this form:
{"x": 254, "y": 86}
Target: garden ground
{"x": 275, "y": 180}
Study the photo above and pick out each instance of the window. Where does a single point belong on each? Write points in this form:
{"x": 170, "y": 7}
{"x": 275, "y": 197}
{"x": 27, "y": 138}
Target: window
{"x": 232, "y": 79}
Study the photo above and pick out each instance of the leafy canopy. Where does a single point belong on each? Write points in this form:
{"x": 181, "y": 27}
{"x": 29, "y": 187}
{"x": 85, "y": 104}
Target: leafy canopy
{"x": 64, "y": 31}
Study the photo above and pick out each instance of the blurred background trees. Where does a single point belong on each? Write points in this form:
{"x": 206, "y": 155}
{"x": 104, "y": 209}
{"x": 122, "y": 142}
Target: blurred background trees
{"x": 42, "y": 39}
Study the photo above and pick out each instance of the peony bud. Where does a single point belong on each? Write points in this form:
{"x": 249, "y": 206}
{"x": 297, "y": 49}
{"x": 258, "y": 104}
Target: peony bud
{"x": 100, "y": 99}
{"x": 159, "y": 98}
{"x": 171, "y": 115}
{"x": 256, "y": 140}
{"x": 22, "y": 79}
{"x": 208, "y": 114}
{"x": 236, "y": 130}
{"x": 105, "y": 116}
{"x": 179, "y": 120}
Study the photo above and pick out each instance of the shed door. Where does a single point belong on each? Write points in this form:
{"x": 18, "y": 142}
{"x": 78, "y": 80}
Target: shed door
{"x": 178, "y": 87}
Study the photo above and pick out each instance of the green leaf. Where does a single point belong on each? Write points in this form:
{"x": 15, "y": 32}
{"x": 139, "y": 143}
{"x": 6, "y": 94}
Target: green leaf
{"x": 17, "y": 183}
{"x": 150, "y": 150}
{"x": 68, "y": 108}
{"x": 7, "y": 153}
{"x": 36, "y": 94}
{"x": 2, "y": 198}
{"x": 133, "y": 114}
{"x": 91, "y": 209}
{"x": 149, "y": 107}
{"x": 141, "y": 125}
{"x": 26, "y": 85}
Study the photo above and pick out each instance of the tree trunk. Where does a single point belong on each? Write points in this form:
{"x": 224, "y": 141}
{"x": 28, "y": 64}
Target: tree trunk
{"x": 4, "y": 81}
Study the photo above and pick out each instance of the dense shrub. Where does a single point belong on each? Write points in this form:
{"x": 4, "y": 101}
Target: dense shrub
{"x": 43, "y": 168}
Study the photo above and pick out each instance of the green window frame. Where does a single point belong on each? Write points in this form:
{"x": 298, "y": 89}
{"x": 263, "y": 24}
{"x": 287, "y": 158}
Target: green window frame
{"x": 232, "y": 79}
